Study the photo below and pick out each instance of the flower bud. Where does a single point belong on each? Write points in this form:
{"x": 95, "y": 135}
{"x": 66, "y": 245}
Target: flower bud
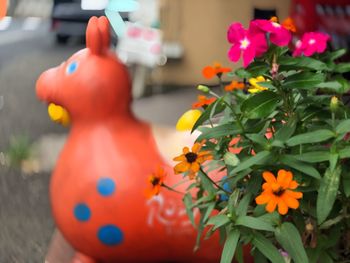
{"x": 334, "y": 104}
{"x": 203, "y": 88}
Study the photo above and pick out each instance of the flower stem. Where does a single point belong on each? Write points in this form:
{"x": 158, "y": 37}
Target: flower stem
{"x": 214, "y": 183}
{"x": 172, "y": 189}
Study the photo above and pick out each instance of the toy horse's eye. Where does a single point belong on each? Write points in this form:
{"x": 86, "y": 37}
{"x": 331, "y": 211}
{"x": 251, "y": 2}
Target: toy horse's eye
{"x": 72, "y": 67}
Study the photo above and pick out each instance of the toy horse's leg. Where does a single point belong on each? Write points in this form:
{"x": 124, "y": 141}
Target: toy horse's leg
{"x": 81, "y": 258}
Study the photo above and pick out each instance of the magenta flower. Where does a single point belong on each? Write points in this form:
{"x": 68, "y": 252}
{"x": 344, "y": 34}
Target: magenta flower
{"x": 311, "y": 43}
{"x": 279, "y": 35}
{"x": 245, "y": 42}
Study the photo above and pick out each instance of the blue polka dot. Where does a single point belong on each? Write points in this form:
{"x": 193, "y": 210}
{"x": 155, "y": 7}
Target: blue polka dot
{"x": 110, "y": 235}
{"x": 72, "y": 67}
{"x": 82, "y": 212}
{"x": 105, "y": 186}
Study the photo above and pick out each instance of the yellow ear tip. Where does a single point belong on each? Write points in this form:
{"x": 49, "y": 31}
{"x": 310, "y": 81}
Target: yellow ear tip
{"x": 187, "y": 120}
{"x": 58, "y": 114}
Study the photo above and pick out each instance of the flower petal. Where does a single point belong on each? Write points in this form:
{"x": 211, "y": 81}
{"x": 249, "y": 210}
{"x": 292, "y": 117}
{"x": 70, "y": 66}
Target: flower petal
{"x": 269, "y": 177}
{"x": 263, "y": 199}
{"x": 234, "y": 53}
{"x": 195, "y": 167}
{"x": 182, "y": 167}
{"x": 284, "y": 178}
{"x": 208, "y": 72}
{"x": 248, "y": 55}
{"x": 282, "y": 207}
{"x": 281, "y": 37}
{"x": 235, "y": 33}
{"x": 296, "y": 195}
{"x": 290, "y": 201}
{"x": 180, "y": 158}
{"x": 271, "y": 206}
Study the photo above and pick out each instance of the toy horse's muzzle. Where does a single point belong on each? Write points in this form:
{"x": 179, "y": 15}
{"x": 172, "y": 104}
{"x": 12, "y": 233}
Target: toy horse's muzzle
{"x": 46, "y": 87}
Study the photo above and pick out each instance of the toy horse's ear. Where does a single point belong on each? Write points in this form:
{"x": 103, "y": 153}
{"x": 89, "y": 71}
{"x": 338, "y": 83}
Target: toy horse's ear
{"x": 93, "y": 36}
{"x": 103, "y": 25}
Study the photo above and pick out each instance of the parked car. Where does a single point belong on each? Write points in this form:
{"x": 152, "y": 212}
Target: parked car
{"x": 70, "y": 20}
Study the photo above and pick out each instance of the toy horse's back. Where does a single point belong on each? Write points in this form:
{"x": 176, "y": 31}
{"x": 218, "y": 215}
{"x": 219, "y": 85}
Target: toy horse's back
{"x": 97, "y": 188}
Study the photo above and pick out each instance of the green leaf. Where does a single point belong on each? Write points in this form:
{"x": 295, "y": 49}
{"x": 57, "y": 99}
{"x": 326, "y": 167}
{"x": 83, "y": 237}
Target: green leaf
{"x": 327, "y": 193}
{"x": 242, "y": 207}
{"x": 214, "y": 108}
{"x": 327, "y": 224}
{"x": 300, "y": 166}
{"x": 219, "y": 131}
{"x": 313, "y": 157}
{"x": 232, "y": 201}
{"x": 251, "y": 161}
{"x": 257, "y": 138}
{"x": 343, "y": 127}
{"x": 254, "y": 223}
{"x": 346, "y": 186}
{"x": 260, "y": 105}
{"x": 218, "y": 221}
{"x": 230, "y": 246}
{"x": 266, "y": 84}
{"x": 210, "y": 209}
{"x": 301, "y": 62}
{"x": 311, "y": 137}
{"x": 334, "y": 54}
{"x": 289, "y": 238}
{"x": 188, "y": 204}
{"x": 267, "y": 248}
{"x": 206, "y": 183}
{"x": 303, "y": 80}
{"x": 333, "y": 160}
{"x": 342, "y": 68}
{"x": 331, "y": 85}
{"x": 231, "y": 159}
{"x": 286, "y": 131}
{"x": 344, "y": 153}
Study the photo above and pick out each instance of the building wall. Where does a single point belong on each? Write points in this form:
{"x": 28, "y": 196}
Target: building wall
{"x": 200, "y": 26}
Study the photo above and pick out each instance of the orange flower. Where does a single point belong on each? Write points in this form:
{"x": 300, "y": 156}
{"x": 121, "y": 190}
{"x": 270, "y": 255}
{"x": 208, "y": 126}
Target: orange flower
{"x": 190, "y": 161}
{"x": 156, "y": 181}
{"x": 288, "y": 23}
{"x": 203, "y": 101}
{"x": 234, "y": 85}
{"x": 279, "y": 192}
{"x": 215, "y": 70}
{"x": 274, "y": 19}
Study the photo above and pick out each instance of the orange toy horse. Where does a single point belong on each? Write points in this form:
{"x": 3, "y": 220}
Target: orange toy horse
{"x": 97, "y": 188}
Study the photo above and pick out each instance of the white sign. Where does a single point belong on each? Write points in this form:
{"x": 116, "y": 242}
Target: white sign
{"x": 141, "y": 45}
{"x": 94, "y": 4}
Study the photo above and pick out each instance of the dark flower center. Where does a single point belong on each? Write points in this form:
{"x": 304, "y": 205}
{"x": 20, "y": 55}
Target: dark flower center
{"x": 191, "y": 157}
{"x": 155, "y": 181}
{"x": 279, "y": 192}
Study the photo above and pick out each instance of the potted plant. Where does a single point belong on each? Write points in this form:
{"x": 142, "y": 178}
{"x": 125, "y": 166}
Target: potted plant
{"x": 279, "y": 136}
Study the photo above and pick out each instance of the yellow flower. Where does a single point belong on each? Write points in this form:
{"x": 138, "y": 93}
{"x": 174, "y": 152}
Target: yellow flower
{"x": 187, "y": 120}
{"x": 58, "y": 114}
{"x": 255, "y": 87}
{"x": 279, "y": 192}
{"x": 190, "y": 161}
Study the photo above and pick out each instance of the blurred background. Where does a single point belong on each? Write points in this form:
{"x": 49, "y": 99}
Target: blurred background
{"x": 39, "y": 34}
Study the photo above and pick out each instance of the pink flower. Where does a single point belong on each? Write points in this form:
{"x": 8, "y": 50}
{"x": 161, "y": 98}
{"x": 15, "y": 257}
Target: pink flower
{"x": 311, "y": 43}
{"x": 245, "y": 42}
{"x": 279, "y": 35}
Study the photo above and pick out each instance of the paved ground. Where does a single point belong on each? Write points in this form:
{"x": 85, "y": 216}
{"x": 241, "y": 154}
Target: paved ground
{"x": 25, "y": 221}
